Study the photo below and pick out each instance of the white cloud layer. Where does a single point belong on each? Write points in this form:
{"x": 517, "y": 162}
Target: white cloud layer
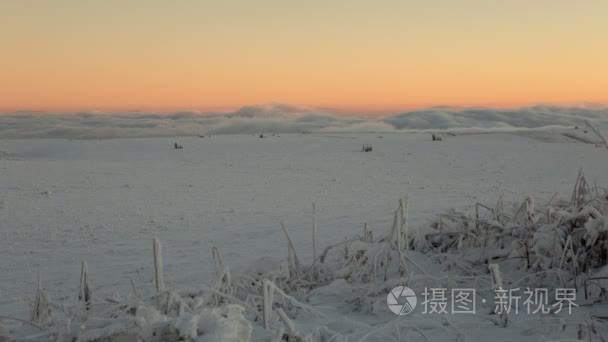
{"x": 285, "y": 119}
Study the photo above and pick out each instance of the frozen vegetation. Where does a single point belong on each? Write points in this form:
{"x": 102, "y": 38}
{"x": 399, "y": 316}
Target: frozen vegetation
{"x": 301, "y": 237}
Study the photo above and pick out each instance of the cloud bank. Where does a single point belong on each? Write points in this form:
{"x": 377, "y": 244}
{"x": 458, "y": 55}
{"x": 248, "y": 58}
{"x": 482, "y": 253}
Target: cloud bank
{"x": 285, "y": 119}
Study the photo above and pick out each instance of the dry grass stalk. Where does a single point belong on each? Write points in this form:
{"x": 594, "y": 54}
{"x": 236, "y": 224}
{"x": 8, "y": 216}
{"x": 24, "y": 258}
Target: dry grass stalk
{"x": 315, "y": 266}
{"x": 399, "y": 239}
{"x": 287, "y": 322}
{"x": 402, "y": 241}
{"x": 568, "y": 249}
{"x": 223, "y": 285}
{"x": 385, "y": 262}
{"x": 497, "y": 285}
{"x": 268, "y": 292}
{"x": 548, "y": 215}
{"x": 581, "y": 188}
{"x": 158, "y": 266}
{"x": 367, "y": 234}
{"x": 41, "y": 310}
{"x": 218, "y": 263}
{"x": 597, "y": 133}
{"x": 295, "y": 269}
{"x": 395, "y": 230}
{"x": 85, "y": 295}
{"x": 403, "y": 204}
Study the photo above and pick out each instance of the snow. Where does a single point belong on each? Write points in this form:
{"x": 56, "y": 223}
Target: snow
{"x": 63, "y": 201}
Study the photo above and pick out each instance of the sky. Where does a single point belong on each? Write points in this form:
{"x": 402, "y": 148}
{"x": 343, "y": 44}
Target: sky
{"x": 355, "y": 56}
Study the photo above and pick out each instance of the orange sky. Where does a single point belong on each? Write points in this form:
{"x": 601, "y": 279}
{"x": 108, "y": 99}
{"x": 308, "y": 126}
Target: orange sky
{"x": 353, "y": 55}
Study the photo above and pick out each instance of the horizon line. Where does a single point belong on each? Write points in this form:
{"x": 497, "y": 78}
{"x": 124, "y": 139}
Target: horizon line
{"x": 293, "y": 108}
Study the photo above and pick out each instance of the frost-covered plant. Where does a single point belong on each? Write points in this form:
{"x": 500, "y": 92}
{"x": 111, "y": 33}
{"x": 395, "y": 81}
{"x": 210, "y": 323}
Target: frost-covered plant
{"x": 158, "y": 266}
{"x": 85, "y": 295}
{"x": 562, "y": 239}
{"x": 41, "y": 309}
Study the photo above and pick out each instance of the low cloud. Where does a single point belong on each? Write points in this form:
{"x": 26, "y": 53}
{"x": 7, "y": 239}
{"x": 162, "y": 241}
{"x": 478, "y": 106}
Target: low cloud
{"x": 527, "y": 117}
{"x": 285, "y": 119}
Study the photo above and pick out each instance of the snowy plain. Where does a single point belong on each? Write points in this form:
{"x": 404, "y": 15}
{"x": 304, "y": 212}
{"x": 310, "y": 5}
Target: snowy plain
{"x": 62, "y": 201}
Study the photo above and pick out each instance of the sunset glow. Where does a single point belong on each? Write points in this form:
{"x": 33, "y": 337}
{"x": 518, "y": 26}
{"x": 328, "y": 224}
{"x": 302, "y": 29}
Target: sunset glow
{"x": 359, "y": 56}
